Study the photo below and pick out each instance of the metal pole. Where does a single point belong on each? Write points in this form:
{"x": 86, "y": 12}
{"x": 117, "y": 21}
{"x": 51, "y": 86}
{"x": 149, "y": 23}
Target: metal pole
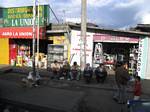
{"x": 38, "y": 31}
{"x": 34, "y": 36}
{"x": 38, "y": 42}
{"x": 83, "y": 35}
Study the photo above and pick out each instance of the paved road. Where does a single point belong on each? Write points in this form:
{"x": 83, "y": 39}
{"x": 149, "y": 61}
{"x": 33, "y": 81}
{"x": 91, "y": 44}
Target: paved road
{"x": 97, "y": 97}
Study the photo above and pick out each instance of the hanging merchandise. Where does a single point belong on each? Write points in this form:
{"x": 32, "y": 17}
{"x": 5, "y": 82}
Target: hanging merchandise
{"x": 133, "y": 60}
{"x": 98, "y": 53}
{"x": 19, "y": 61}
{"x": 24, "y": 54}
{"x": 13, "y": 54}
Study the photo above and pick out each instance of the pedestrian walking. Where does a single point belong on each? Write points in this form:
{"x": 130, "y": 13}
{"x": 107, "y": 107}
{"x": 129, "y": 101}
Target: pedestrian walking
{"x": 137, "y": 88}
{"x": 122, "y": 77}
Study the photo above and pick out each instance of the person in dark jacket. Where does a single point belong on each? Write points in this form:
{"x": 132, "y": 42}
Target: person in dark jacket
{"x": 65, "y": 71}
{"x": 101, "y": 73}
{"x": 122, "y": 77}
{"x": 87, "y": 73}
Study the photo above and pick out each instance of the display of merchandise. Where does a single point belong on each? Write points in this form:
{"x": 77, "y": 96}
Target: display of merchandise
{"x": 55, "y": 52}
{"x": 109, "y": 58}
{"x": 23, "y": 56}
{"x": 133, "y": 60}
{"x": 120, "y": 58}
{"x": 98, "y": 53}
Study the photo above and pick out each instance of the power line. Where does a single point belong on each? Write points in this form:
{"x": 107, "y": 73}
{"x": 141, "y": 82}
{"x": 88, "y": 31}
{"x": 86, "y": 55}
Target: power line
{"x": 54, "y": 13}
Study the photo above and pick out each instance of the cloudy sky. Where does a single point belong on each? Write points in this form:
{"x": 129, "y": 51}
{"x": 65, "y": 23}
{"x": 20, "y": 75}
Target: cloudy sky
{"x": 106, "y": 13}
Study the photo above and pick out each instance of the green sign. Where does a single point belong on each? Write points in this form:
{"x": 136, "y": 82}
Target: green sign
{"x": 22, "y": 16}
{"x": 22, "y": 22}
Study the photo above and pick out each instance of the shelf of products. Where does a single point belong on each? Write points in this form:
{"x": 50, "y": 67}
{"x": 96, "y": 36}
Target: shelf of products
{"x": 55, "y": 52}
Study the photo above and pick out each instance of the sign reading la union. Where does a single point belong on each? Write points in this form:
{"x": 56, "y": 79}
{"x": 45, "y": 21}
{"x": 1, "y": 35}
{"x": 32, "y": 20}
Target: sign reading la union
{"x": 22, "y": 16}
{"x": 20, "y": 32}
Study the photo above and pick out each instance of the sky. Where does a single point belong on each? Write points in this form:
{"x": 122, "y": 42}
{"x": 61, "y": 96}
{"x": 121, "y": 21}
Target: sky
{"x": 119, "y": 14}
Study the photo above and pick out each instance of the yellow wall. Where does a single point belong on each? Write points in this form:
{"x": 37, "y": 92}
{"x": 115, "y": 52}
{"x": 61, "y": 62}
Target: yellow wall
{"x": 4, "y": 51}
{"x": 57, "y": 39}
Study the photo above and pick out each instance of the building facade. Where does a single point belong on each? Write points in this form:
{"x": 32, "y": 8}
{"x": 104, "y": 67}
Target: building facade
{"x": 111, "y": 46}
{"x": 16, "y": 33}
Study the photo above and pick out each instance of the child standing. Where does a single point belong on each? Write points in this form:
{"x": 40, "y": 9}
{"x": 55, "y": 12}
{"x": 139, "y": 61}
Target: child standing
{"x": 137, "y": 88}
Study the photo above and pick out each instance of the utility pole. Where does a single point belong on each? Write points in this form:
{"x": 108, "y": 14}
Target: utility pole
{"x": 38, "y": 37}
{"x": 83, "y": 35}
{"x": 34, "y": 36}
{"x": 38, "y": 28}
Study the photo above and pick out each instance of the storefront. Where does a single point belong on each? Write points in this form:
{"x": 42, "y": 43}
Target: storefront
{"x": 109, "y": 47}
{"x": 116, "y": 49}
{"x": 19, "y": 44}
{"x": 16, "y": 33}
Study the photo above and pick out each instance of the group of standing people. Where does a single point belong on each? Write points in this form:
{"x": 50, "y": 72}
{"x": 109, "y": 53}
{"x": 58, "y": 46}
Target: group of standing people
{"x": 74, "y": 73}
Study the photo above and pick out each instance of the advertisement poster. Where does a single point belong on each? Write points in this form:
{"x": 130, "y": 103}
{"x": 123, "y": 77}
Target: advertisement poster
{"x": 75, "y": 47}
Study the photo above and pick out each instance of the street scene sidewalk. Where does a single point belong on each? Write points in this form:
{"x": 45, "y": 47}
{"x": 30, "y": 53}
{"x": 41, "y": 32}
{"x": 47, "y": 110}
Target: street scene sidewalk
{"x": 51, "y": 94}
{"x": 109, "y": 83}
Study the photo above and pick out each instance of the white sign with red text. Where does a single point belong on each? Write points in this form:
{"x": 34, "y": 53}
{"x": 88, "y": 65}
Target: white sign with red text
{"x": 75, "y": 47}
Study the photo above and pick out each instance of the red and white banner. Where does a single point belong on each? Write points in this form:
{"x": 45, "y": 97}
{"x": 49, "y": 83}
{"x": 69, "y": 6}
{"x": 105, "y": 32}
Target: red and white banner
{"x": 110, "y": 38}
{"x": 20, "y": 32}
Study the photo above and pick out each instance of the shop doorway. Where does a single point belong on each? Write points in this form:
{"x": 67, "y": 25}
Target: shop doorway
{"x": 112, "y": 53}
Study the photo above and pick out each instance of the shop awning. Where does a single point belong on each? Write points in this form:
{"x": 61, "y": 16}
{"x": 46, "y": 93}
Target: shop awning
{"x": 20, "y": 32}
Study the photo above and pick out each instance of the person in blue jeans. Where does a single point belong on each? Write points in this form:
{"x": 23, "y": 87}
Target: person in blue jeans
{"x": 122, "y": 77}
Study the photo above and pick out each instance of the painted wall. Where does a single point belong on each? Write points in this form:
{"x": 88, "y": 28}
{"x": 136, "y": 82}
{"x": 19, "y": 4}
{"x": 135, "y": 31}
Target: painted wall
{"x": 147, "y": 74}
{"x": 143, "y": 57}
{"x": 75, "y": 47}
{"x": 4, "y": 51}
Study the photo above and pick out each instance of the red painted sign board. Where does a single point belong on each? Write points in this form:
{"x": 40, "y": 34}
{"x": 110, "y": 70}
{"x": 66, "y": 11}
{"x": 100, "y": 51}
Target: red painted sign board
{"x": 110, "y": 38}
{"x": 20, "y": 32}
